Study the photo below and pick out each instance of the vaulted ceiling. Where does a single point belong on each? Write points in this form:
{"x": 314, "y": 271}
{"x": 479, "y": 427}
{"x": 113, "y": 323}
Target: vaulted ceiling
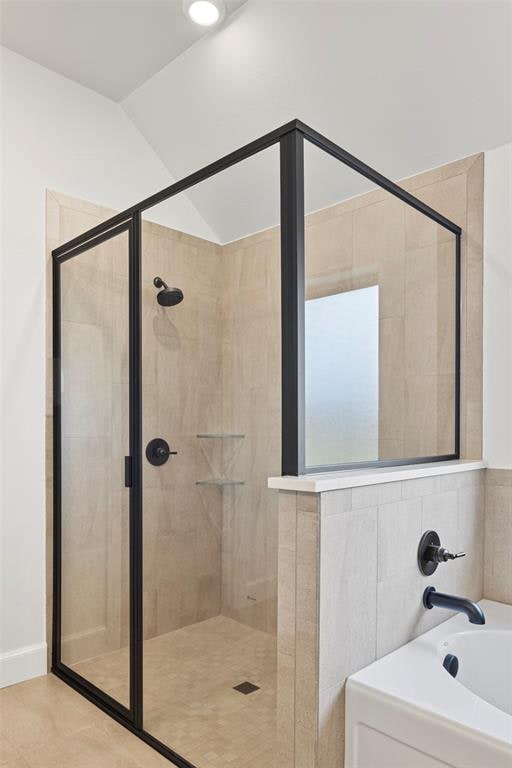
{"x": 404, "y": 86}
{"x": 111, "y": 46}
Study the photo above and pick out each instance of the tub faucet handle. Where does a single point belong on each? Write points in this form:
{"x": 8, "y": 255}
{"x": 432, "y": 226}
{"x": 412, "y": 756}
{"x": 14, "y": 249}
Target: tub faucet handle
{"x": 431, "y": 553}
{"x": 441, "y": 555}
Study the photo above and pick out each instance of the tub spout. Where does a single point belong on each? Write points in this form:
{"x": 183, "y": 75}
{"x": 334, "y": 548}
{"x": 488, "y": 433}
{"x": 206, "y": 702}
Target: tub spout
{"x": 473, "y": 611}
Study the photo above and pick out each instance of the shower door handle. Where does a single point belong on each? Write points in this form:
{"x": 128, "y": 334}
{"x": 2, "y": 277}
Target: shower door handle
{"x": 128, "y": 472}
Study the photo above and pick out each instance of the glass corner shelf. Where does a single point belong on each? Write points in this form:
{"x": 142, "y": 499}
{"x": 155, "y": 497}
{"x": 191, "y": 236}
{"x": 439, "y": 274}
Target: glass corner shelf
{"x": 219, "y": 434}
{"x": 220, "y": 482}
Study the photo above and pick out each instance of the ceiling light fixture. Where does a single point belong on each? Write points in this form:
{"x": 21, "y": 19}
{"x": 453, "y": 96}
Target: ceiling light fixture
{"x": 205, "y": 12}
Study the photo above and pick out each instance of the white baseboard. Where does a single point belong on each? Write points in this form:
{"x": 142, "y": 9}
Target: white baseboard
{"x": 22, "y": 664}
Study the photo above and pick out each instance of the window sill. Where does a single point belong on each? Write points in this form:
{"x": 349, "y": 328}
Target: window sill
{"x": 353, "y": 478}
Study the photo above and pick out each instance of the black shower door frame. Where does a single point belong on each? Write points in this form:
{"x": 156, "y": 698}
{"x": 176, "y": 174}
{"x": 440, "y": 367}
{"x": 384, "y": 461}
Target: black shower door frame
{"x": 290, "y": 138}
{"x": 133, "y": 466}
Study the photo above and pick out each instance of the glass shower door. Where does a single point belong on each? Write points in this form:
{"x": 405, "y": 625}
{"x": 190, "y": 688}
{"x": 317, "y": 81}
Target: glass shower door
{"x": 211, "y": 389}
{"x": 92, "y": 422}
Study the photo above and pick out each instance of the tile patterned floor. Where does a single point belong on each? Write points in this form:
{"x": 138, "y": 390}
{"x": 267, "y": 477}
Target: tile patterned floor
{"x": 189, "y": 704}
{"x": 192, "y": 705}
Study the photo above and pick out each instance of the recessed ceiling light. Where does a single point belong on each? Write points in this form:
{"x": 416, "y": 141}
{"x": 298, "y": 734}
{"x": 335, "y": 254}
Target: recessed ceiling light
{"x": 205, "y": 12}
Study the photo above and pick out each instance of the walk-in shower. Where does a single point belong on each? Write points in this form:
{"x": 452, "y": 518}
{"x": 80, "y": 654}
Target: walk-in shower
{"x": 170, "y": 415}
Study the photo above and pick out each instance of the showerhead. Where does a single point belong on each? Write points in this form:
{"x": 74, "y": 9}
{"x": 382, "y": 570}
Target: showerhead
{"x": 167, "y": 297}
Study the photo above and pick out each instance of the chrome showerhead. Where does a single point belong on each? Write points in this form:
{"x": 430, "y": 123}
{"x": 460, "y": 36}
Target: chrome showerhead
{"x": 167, "y": 297}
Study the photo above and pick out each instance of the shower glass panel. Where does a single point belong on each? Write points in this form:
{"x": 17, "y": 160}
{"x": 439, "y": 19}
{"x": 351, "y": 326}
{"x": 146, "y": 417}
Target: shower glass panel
{"x": 380, "y": 276}
{"x": 211, "y": 379}
{"x": 94, "y": 439}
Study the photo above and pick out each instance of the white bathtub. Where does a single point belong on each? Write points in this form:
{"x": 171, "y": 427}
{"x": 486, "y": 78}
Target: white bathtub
{"x": 407, "y": 711}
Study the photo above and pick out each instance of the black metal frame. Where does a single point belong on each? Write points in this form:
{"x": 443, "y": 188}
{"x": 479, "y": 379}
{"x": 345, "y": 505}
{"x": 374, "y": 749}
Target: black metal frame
{"x": 58, "y": 666}
{"x": 132, "y": 717}
{"x": 291, "y": 140}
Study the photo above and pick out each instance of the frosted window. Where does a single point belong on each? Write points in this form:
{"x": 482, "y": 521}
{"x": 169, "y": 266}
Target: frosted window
{"x": 342, "y": 377}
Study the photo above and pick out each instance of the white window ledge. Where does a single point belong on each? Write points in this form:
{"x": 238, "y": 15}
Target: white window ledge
{"x": 353, "y": 478}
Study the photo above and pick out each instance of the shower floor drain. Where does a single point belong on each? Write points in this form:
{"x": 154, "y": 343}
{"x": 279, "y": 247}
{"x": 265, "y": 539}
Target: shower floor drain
{"x": 246, "y": 687}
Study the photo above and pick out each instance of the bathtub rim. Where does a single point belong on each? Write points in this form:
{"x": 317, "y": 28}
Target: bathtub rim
{"x": 456, "y": 704}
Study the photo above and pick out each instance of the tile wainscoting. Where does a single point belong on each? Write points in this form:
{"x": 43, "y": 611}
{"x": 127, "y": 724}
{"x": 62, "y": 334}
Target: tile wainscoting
{"x": 350, "y": 590}
{"x": 498, "y": 535}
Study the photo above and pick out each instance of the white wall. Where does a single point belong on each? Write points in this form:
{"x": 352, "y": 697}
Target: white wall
{"x": 498, "y": 307}
{"x": 405, "y": 86}
{"x": 62, "y": 136}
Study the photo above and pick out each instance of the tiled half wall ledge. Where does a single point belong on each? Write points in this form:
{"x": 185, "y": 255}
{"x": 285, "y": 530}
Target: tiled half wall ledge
{"x": 352, "y": 478}
{"x": 349, "y": 586}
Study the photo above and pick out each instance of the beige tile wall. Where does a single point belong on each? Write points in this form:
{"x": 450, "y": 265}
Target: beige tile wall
{"x": 350, "y": 592}
{"x": 224, "y": 343}
{"x": 298, "y": 628}
{"x": 92, "y": 494}
{"x": 370, "y": 239}
{"x": 182, "y": 380}
{"x": 376, "y": 239}
{"x": 498, "y": 535}
{"x": 182, "y": 521}
{"x": 440, "y": 188}
{"x": 251, "y": 405}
